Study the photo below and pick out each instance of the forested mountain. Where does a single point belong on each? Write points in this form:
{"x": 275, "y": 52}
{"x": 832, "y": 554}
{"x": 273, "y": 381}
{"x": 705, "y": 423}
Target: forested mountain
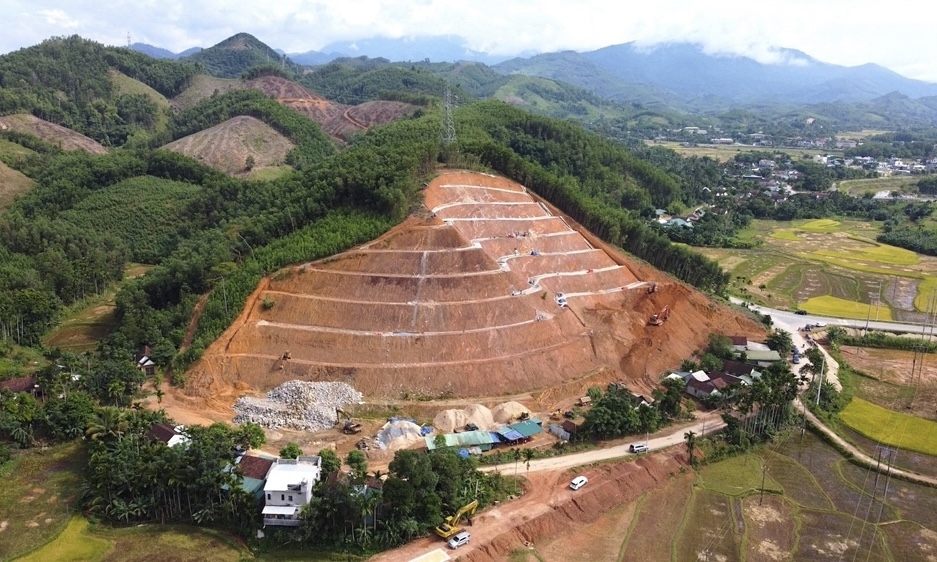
{"x": 236, "y": 54}
{"x": 66, "y": 80}
{"x": 161, "y": 53}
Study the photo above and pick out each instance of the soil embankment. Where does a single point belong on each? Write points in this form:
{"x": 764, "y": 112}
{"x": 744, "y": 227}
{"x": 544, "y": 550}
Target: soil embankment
{"x": 495, "y": 294}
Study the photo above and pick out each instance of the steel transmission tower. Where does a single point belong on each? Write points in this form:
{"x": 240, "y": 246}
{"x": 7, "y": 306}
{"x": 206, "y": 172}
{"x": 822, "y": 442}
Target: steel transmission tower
{"x": 448, "y": 135}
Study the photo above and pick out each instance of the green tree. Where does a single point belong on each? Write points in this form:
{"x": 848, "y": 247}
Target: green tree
{"x": 250, "y": 435}
{"x": 690, "y": 438}
{"x": 710, "y": 363}
{"x": 780, "y": 341}
{"x": 358, "y": 464}
{"x": 291, "y": 451}
{"x": 330, "y": 461}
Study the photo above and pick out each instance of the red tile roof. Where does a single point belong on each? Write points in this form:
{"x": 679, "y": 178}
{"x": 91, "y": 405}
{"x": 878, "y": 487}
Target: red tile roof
{"x": 255, "y": 467}
{"x": 21, "y": 384}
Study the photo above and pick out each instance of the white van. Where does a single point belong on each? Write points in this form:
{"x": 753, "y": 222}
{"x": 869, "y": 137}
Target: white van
{"x": 460, "y": 539}
{"x": 578, "y": 482}
{"x": 638, "y": 447}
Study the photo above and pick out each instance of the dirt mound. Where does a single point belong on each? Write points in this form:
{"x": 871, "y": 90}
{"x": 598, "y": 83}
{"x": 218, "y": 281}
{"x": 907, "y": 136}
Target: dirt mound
{"x": 228, "y": 146}
{"x": 58, "y": 135}
{"x": 444, "y": 307}
{"x": 448, "y": 421}
{"x": 379, "y": 112}
{"x": 509, "y": 412}
{"x": 399, "y": 434}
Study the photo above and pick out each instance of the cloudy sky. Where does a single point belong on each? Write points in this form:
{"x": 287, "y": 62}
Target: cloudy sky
{"x": 898, "y": 34}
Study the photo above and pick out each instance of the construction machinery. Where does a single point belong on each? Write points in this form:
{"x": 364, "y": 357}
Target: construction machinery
{"x": 451, "y": 525}
{"x": 652, "y": 288}
{"x": 350, "y": 426}
{"x": 658, "y": 319}
{"x": 556, "y": 415}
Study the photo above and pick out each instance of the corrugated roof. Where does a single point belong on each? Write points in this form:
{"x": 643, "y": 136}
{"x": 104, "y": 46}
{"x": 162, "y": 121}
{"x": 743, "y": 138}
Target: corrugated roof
{"x": 509, "y": 434}
{"x": 464, "y": 439}
{"x": 527, "y": 428}
{"x": 280, "y": 510}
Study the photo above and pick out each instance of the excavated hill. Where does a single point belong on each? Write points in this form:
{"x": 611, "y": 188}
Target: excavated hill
{"x": 339, "y": 121}
{"x": 226, "y": 147}
{"x": 496, "y": 294}
{"x": 66, "y": 138}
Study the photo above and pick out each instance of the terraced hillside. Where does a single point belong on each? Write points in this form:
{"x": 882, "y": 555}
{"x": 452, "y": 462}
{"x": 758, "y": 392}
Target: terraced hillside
{"x": 492, "y": 293}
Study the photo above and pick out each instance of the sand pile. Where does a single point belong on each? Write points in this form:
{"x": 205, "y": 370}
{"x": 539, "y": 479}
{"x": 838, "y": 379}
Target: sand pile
{"x": 399, "y": 435}
{"x": 509, "y": 412}
{"x": 451, "y": 420}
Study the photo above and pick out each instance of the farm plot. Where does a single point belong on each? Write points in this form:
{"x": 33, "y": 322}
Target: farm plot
{"x": 651, "y": 533}
{"x": 891, "y": 428}
{"x": 801, "y": 261}
{"x": 836, "y": 537}
{"x": 770, "y": 530}
{"x": 712, "y": 529}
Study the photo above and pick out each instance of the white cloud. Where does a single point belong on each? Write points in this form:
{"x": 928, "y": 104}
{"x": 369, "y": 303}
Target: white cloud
{"x": 59, "y": 19}
{"x": 896, "y": 35}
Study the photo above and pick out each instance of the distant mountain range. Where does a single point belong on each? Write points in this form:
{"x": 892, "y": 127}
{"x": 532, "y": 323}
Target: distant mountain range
{"x": 685, "y": 72}
{"x": 675, "y": 75}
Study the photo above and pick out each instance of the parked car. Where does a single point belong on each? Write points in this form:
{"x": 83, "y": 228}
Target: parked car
{"x": 638, "y": 448}
{"x": 578, "y": 482}
{"x": 801, "y": 312}
{"x": 460, "y": 539}
{"x": 821, "y": 324}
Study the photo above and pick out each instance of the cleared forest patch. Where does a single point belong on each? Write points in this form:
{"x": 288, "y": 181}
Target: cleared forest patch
{"x": 235, "y": 146}
{"x": 58, "y": 135}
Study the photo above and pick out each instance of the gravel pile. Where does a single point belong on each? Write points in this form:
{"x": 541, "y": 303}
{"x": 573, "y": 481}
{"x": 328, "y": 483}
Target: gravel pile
{"x": 305, "y": 406}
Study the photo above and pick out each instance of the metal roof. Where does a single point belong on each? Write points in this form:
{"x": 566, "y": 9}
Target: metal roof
{"x": 280, "y": 510}
{"x": 464, "y": 439}
{"x": 527, "y": 428}
{"x": 510, "y": 434}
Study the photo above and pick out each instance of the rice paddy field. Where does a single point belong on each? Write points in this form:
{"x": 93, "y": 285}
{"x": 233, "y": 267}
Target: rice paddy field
{"x": 817, "y": 506}
{"x": 829, "y": 267}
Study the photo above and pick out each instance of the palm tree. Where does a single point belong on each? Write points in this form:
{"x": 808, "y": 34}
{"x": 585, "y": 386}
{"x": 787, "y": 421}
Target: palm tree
{"x": 111, "y": 422}
{"x": 516, "y": 453}
{"x": 690, "y": 446}
{"x": 529, "y": 455}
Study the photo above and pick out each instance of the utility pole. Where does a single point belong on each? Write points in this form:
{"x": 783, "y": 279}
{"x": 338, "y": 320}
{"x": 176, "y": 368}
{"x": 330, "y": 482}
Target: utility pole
{"x": 764, "y": 472}
{"x": 820, "y": 381}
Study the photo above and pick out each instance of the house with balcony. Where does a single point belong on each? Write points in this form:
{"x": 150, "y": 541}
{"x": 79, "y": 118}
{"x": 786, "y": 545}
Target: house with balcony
{"x": 288, "y": 488}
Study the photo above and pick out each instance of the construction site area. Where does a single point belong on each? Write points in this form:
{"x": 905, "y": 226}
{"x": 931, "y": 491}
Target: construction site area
{"x": 487, "y": 296}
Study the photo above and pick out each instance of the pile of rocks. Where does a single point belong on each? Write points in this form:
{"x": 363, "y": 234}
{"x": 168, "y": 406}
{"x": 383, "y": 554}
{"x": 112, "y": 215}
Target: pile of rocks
{"x": 305, "y": 406}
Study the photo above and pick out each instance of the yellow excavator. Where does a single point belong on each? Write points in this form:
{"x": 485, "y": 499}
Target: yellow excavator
{"x": 451, "y": 526}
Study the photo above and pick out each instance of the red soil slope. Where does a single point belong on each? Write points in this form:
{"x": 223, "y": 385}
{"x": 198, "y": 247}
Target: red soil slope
{"x": 340, "y": 121}
{"x": 465, "y": 304}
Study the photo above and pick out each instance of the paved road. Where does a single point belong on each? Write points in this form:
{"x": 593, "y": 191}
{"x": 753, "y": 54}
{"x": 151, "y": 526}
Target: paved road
{"x": 707, "y": 423}
{"x": 800, "y": 321}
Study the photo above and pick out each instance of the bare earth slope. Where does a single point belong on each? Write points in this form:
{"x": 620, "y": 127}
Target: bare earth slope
{"x": 464, "y": 304}
{"x": 340, "y": 121}
{"x": 227, "y": 146}
{"x": 50, "y": 132}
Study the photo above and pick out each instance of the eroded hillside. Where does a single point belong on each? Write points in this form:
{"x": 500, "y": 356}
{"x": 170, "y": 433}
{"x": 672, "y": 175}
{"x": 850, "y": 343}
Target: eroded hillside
{"x": 493, "y": 293}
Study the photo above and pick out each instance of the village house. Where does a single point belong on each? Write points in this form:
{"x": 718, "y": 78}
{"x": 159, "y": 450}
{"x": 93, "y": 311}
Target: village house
{"x": 288, "y": 488}
{"x": 168, "y": 434}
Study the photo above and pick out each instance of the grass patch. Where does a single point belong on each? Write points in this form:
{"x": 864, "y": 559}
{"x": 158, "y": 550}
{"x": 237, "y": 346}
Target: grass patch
{"x": 12, "y": 184}
{"x": 737, "y": 476}
{"x": 18, "y": 361}
{"x": 90, "y": 320}
{"x": 785, "y": 234}
{"x": 823, "y": 226}
{"x": 798, "y": 483}
{"x": 268, "y": 173}
{"x": 709, "y": 528}
{"x": 178, "y": 543}
{"x": 891, "y": 428}
{"x": 72, "y": 544}
{"x": 36, "y": 496}
{"x": 874, "y": 252}
{"x": 829, "y": 305}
